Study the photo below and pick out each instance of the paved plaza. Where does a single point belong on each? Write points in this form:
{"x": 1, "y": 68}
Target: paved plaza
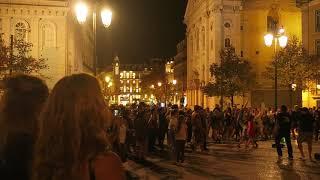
{"x": 227, "y": 161}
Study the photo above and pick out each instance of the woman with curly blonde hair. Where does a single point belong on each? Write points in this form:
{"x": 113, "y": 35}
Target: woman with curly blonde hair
{"x": 72, "y": 142}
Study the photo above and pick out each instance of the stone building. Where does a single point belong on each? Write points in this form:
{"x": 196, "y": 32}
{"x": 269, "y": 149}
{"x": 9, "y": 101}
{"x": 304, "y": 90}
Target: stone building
{"x": 215, "y": 24}
{"x": 52, "y": 28}
{"x": 180, "y": 71}
{"x": 311, "y": 41}
{"x": 126, "y": 82}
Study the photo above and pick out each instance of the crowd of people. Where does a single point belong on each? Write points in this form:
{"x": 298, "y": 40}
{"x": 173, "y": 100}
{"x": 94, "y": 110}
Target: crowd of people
{"x": 70, "y": 133}
{"x": 147, "y": 124}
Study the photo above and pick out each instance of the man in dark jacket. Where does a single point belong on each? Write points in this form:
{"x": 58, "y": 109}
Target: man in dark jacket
{"x": 283, "y": 126}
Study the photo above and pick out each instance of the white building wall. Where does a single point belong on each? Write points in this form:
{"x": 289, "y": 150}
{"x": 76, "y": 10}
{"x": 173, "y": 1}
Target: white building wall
{"x": 54, "y": 33}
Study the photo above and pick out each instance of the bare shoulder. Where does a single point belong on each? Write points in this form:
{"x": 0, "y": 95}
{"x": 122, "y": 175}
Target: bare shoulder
{"x": 108, "y": 165}
{"x": 109, "y": 156}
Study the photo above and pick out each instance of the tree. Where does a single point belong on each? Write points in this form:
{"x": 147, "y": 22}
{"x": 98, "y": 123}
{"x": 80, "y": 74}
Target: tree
{"x": 156, "y": 75}
{"x": 18, "y": 59}
{"x": 295, "y": 65}
{"x": 233, "y": 76}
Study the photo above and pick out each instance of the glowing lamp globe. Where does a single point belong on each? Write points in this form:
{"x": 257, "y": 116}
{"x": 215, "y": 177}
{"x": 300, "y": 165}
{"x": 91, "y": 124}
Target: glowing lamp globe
{"x": 283, "y": 40}
{"x": 268, "y": 40}
{"x": 81, "y": 10}
{"x": 106, "y": 17}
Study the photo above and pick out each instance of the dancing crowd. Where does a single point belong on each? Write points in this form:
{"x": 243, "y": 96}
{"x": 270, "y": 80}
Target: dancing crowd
{"x": 70, "y": 133}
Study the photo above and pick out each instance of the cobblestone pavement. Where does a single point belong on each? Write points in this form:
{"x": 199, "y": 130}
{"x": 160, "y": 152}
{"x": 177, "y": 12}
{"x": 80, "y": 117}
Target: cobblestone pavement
{"x": 227, "y": 161}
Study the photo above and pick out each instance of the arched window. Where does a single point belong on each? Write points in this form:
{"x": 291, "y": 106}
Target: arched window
{"x": 20, "y": 31}
{"x": 273, "y": 20}
{"x": 227, "y": 43}
{"x": 48, "y": 31}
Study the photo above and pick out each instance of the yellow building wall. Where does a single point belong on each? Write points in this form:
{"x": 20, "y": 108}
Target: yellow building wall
{"x": 254, "y": 22}
{"x": 255, "y": 28}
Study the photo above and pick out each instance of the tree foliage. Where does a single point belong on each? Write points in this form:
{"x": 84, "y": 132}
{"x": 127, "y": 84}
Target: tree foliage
{"x": 295, "y": 65}
{"x": 233, "y": 76}
{"x": 19, "y": 60}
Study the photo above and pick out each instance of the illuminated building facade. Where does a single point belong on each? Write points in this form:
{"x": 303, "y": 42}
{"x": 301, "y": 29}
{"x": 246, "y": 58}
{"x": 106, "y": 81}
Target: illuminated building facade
{"x": 52, "y": 28}
{"x": 215, "y": 24}
{"x": 311, "y": 41}
{"x": 127, "y": 78}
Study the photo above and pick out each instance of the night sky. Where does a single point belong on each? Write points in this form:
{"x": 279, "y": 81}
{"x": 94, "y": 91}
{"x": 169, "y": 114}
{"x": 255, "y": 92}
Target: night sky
{"x": 142, "y": 29}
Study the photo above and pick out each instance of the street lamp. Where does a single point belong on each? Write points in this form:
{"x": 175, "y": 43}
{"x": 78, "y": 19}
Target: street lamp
{"x": 82, "y": 11}
{"x": 106, "y": 17}
{"x": 280, "y": 38}
{"x": 159, "y": 84}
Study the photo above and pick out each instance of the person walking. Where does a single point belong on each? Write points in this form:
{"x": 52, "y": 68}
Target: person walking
{"x": 181, "y": 137}
{"x": 282, "y": 130}
{"x": 251, "y": 132}
{"x": 163, "y": 127}
{"x": 196, "y": 128}
{"x": 173, "y": 127}
{"x": 153, "y": 127}
{"x": 305, "y": 130}
{"x": 141, "y": 132}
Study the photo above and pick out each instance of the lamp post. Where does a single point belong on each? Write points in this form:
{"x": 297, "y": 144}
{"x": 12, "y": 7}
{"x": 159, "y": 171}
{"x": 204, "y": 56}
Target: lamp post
{"x": 280, "y": 38}
{"x": 82, "y": 11}
{"x": 174, "y": 83}
{"x": 107, "y": 85}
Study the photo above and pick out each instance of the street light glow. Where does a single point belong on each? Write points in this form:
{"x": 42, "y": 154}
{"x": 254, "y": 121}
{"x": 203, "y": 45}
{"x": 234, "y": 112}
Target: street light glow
{"x": 281, "y": 30}
{"x": 81, "y": 10}
{"x": 107, "y": 79}
{"x": 268, "y": 39}
{"x": 106, "y": 17}
{"x": 283, "y": 40}
{"x": 174, "y": 82}
{"x": 159, "y": 84}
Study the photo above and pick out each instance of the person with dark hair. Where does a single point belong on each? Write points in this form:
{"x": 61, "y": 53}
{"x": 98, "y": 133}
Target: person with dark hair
{"x": 305, "y": 129}
{"x": 23, "y": 100}
{"x": 181, "y": 136}
{"x": 140, "y": 124}
{"x": 153, "y": 127}
{"x": 197, "y": 129}
{"x": 189, "y": 125}
{"x": 72, "y": 142}
{"x": 163, "y": 127}
{"x": 282, "y": 130}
